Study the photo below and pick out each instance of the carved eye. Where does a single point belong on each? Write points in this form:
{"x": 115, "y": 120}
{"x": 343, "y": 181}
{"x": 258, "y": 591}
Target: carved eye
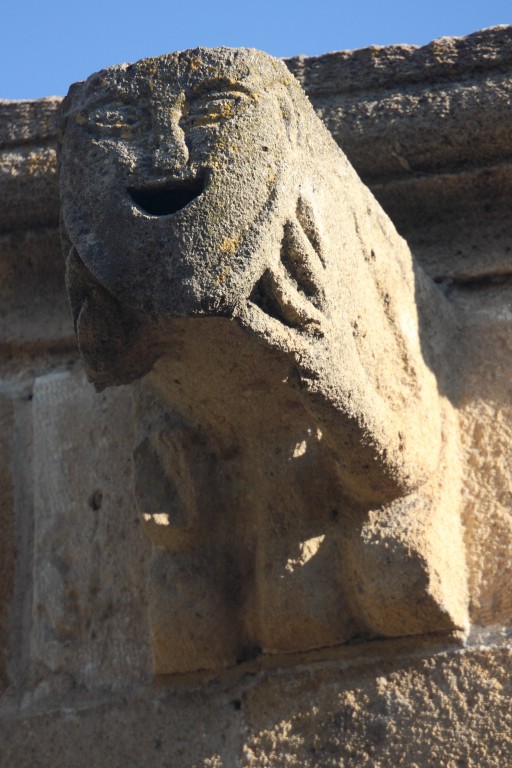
{"x": 213, "y": 108}
{"x": 119, "y": 119}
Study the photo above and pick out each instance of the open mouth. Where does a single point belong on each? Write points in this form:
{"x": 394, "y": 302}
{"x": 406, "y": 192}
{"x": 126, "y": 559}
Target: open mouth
{"x": 167, "y": 199}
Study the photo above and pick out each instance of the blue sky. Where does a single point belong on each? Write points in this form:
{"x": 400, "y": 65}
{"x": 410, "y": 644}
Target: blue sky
{"x": 47, "y": 44}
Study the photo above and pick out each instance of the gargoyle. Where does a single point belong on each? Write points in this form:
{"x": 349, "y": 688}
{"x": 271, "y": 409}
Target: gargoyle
{"x": 296, "y": 464}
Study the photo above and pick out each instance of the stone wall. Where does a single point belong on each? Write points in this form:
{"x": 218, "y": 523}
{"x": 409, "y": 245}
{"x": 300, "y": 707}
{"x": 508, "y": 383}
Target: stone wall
{"x": 428, "y": 130}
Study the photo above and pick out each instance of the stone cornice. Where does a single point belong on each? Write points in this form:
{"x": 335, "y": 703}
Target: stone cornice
{"x": 428, "y": 129}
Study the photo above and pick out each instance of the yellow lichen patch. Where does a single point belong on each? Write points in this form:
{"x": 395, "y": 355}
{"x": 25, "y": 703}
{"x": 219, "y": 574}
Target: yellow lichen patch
{"x": 80, "y": 118}
{"x": 195, "y": 63}
{"x": 230, "y": 245}
{"x": 225, "y": 111}
{"x": 222, "y": 276}
{"x": 211, "y": 117}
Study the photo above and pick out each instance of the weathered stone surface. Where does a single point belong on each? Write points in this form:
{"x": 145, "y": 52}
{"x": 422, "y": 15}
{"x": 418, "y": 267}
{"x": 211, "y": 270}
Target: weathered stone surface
{"x": 33, "y": 309}
{"x": 215, "y": 227}
{"x": 412, "y": 123}
{"x": 17, "y": 546}
{"x": 28, "y": 173}
{"x": 486, "y": 433}
{"x": 364, "y": 96}
{"x": 157, "y": 728}
{"x": 89, "y": 624}
{"x": 29, "y": 122}
{"x": 456, "y": 223}
{"x": 34, "y": 312}
{"x": 449, "y": 710}
{"x": 428, "y": 129}
{"x": 7, "y": 551}
{"x": 439, "y": 707}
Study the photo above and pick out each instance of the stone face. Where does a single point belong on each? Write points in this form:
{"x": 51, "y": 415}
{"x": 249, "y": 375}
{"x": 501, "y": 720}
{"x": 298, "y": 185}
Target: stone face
{"x": 216, "y": 236}
{"x": 89, "y": 622}
{"x": 410, "y": 121}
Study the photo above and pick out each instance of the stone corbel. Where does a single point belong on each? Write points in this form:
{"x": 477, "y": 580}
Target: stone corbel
{"x": 297, "y": 464}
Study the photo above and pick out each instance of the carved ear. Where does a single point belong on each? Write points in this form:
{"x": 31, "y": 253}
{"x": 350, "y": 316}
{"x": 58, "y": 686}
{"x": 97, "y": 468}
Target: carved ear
{"x": 115, "y": 343}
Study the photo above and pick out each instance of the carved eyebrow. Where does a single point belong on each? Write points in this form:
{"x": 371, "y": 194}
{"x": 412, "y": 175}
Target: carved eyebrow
{"x": 219, "y": 85}
{"x": 94, "y": 97}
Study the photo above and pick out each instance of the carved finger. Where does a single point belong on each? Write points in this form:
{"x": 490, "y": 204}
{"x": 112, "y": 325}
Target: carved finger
{"x": 276, "y": 294}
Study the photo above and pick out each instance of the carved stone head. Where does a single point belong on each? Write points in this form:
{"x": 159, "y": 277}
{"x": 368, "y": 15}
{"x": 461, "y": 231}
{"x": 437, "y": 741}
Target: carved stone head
{"x": 216, "y": 234}
{"x": 202, "y": 183}
{"x": 181, "y": 157}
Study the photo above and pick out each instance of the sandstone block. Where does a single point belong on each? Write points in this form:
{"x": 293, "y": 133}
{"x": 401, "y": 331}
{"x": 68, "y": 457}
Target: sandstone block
{"x": 7, "y": 544}
{"x": 89, "y": 569}
{"x": 394, "y": 707}
{"x": 486, "y": 434}
{"x": 157, "y": 728}
{"x": 447, "y": 709}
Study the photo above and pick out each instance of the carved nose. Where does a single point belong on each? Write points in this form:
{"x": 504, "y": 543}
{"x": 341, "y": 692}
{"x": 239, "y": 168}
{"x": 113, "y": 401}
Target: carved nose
{"x": 171, "y": 151}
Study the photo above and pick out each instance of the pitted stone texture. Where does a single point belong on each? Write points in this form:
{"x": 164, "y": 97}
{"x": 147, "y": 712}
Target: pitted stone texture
{"x": 486, "y": 434}
{"x": 446, "y": 709}
{"x": 7, "y": 546}
{"x": 28, "y": 172}
{"x": 217, "y": 236}
{"x": 449, "y": 710}
{"x": 29, "y": 122}
{"x": 89, "y": 571}
{"x": 432, "y": 84}
{"x": 154, "y": 169}
{"x": 428, "y": 129}
{"x": 33, "y": 313}
{"x": 157, "y": 728}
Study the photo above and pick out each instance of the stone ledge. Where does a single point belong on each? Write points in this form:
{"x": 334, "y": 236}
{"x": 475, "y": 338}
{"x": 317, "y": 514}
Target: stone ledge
{"x": 402, "y": 109}
{"x": 378, "y": 67}
{"x": 28, "y": 122}
{"x": 455, "y": 702}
